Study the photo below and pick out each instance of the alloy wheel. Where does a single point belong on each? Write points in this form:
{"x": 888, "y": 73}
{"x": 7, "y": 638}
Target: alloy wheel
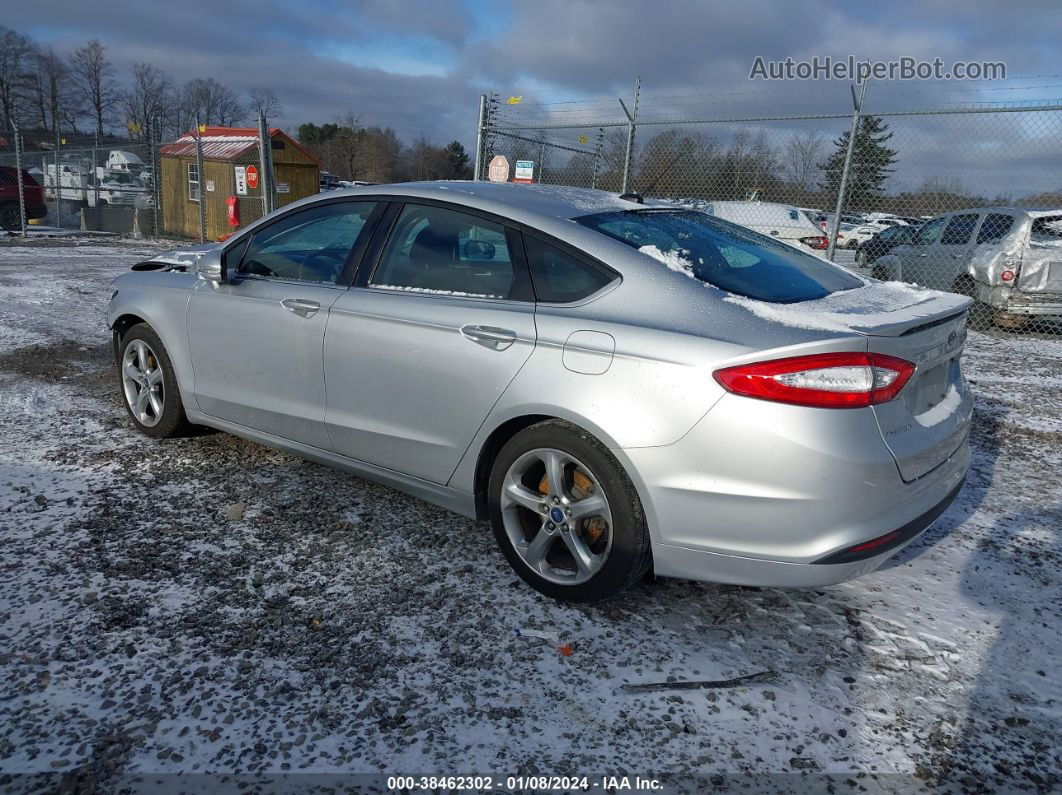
{"x": 142, "y": 383}
{"x": 556, "y": 516}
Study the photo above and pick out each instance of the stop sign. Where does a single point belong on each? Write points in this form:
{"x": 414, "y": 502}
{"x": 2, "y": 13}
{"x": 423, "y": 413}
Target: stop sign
{"x": 252, "y": 177}
{"x": 498, "y": 170}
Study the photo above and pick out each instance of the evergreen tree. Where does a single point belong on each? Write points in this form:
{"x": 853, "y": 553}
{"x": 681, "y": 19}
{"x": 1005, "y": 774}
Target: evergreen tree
{"x": 458, "y": 161}
{"x": 871, "y": 163}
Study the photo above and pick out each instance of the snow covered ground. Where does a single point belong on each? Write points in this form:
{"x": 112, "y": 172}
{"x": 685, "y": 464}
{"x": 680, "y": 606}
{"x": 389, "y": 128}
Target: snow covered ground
{"x": 209, "y": 605}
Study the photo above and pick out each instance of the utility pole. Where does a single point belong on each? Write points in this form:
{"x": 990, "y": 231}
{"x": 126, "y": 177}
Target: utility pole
{"x": 857, "y": 109}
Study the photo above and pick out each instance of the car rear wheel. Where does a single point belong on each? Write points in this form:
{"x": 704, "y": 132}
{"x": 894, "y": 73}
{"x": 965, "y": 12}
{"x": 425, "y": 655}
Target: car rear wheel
{"x": 9, "y": 217}
{"x": 149, "y": 386}
{"x": 981, "y": 314}
{"x": 565, "y": 514}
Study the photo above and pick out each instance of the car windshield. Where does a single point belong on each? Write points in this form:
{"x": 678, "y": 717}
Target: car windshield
{"x": 724, "y": 254}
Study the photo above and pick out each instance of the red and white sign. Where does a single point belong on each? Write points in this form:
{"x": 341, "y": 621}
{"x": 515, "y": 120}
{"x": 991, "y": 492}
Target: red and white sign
{"x": 498, "y": 170}
{"x": 252, "y": 177}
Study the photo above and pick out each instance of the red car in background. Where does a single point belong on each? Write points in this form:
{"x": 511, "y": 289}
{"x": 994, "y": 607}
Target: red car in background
{"x": 32, "y": 192}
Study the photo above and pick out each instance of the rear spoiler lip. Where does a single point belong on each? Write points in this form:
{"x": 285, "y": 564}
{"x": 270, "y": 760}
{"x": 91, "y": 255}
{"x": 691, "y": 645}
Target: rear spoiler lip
{"x": 951, "y": 307}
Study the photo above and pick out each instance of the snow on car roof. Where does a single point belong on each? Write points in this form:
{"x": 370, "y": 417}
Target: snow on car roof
{"x": 504, "y": 197}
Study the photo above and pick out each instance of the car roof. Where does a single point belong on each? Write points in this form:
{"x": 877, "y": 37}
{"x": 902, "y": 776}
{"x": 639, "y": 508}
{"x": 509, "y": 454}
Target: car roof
{"x": 1032, "y": 212}
{"x": 523, "y": 203}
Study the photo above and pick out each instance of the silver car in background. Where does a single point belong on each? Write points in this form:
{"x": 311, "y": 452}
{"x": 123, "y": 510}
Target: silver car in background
{"x": 617, "y": 387}
{"x": 1008, "y": 259}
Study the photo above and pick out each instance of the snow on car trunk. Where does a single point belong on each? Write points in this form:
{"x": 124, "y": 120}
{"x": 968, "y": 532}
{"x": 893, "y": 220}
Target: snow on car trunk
{"x": 930, "y": 418}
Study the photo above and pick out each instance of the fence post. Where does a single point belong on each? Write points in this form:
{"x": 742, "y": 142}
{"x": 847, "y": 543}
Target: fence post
{"x": 842, "y": 186}
{"x": 597, "y": 155}
{"x": 631, "y": 121}
{"x": 477, "y": 175}
{"x": 58, "y": 178}
{"x": 155, "y": 169}
{"x": 542, "y": 160}
{"x": 95, "y": 175}
{"x": 265, "y": 163}
{"x": 199, "y": 169}
{"x": 18, "y": 176}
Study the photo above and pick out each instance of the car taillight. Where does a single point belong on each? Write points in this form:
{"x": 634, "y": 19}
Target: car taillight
{"x": 824, "y": 380}
{"x": 1007, "y": 275}
{"x": 817, "y": 242}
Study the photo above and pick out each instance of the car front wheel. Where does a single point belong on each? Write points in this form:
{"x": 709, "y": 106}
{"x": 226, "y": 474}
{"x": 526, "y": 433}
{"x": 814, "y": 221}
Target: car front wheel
{"x": 565, "y": 514}
{"x": 149, "y": 386}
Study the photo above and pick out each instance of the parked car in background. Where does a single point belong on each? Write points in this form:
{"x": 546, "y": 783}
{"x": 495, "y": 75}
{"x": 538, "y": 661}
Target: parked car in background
{"x": 32, "y": 192}
{"x": 779, "y": 221}
{"x": 616, "y": 387}
{"x": 882, "y": 241}
{"x": 328, "y": 181}
{"x": 1009, "y": 260}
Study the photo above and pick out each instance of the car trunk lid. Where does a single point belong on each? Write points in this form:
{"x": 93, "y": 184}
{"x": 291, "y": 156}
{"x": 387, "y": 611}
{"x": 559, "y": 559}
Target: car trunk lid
{"x": 930, "y": 418}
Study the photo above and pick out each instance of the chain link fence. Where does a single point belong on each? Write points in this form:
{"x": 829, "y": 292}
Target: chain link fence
{"x": 79, "y": 183}
{"x": 960, "y": 196}
{"x": 141, "y": 188}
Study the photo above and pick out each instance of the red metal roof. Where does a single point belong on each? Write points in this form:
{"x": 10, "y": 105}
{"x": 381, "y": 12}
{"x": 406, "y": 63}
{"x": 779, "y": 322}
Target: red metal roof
{"x": 227, "y": 143}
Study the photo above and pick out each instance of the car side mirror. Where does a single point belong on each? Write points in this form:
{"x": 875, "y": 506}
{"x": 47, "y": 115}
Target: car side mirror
{"x": 208, "y": 266}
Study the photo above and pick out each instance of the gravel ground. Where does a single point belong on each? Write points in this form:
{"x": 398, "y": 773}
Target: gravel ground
{"x": 209, "y": 605}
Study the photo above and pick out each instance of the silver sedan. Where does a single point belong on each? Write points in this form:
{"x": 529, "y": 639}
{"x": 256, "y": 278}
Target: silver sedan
{"x": 618, "y": 387}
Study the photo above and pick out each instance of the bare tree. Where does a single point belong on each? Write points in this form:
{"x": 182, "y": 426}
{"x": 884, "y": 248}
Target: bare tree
{"x": 50, "y": 94}
{"x": 265, "y": 102}
{"x": 147, "y": 99}
{"x": 800, "y": 160}
{"x": 348, "y": 142}
{"x": 93, "y": 75}
{"x": 16, "y": 51}
{"x": 207, "y": 100}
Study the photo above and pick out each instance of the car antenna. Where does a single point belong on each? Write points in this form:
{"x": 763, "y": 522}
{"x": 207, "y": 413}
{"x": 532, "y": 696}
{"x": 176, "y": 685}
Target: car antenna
{"x": 639, "y": 197}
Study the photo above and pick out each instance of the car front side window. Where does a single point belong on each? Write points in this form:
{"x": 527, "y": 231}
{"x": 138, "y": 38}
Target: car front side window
{"x": 929, "y": 233}
{"x": 312, "y": 245}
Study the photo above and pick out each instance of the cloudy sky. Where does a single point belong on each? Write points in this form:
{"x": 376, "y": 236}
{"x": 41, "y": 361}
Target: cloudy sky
{"x": 419, "y": 66}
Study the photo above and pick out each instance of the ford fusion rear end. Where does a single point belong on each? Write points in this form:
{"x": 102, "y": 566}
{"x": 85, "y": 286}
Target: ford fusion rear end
{"x": 823, "y": 455}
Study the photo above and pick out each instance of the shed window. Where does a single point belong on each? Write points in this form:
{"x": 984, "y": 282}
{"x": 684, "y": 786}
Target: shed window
{"x": 193, "y": 182}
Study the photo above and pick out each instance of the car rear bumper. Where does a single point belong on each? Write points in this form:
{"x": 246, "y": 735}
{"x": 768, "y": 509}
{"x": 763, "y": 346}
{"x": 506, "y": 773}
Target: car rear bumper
{"x": 1016, "y": 302}
{"x": 751, "y": 499}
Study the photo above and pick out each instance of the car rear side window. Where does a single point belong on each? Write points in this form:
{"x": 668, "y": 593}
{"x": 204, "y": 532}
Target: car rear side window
{"x": 446, "y": 252}
{"x": 959, "y": 230}
{"x": 724, "y": 254}
{"x": 560, "y": 277}
{"x": 1047, "y": 229}
{"x": 311, "y": 245}
{"x": 994, "y": 227}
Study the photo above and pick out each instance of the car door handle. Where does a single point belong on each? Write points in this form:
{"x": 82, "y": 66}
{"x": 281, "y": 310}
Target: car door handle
{"x": 300, "y": 306}
{"x": 490, "y": 336}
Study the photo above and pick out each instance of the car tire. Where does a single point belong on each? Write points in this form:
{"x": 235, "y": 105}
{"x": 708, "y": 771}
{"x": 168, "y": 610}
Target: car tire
{"x": 9, "y": 217}
{"x": 613, "y": 543}
{"x": 980, "y": 316}
{"x": 148, "y": 385}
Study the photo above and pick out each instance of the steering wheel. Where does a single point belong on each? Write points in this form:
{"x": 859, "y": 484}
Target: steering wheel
{"x": 324, "y": 264}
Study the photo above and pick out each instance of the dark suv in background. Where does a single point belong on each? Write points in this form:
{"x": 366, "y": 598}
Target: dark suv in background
{"x": 32, "y": 192}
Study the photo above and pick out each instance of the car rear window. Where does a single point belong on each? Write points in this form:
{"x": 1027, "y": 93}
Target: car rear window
{"x": 725, "y": 255}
